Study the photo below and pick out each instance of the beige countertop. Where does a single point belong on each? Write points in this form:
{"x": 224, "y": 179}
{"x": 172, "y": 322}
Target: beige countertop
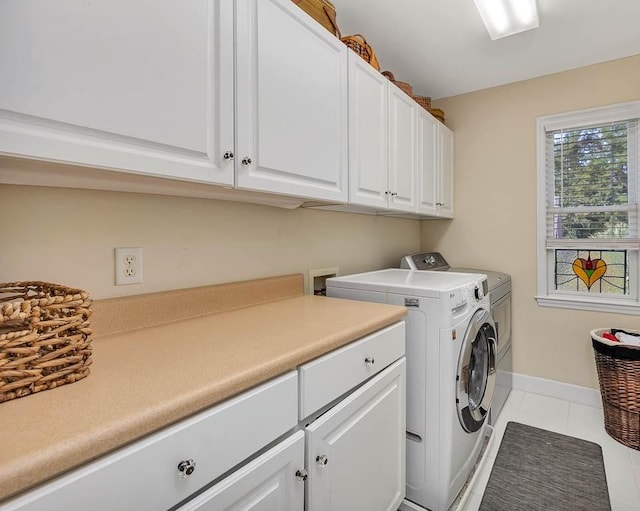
{"x": 142, "y": 380}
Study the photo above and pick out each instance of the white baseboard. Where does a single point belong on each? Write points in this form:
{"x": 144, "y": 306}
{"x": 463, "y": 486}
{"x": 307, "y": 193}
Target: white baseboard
{"x": 560, "y": 390}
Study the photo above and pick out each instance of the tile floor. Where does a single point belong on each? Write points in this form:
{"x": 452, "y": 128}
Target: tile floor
{"x": 622, "y": 464}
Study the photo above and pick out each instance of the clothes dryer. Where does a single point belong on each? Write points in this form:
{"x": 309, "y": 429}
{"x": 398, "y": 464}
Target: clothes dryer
{"x": 450, "y": 355}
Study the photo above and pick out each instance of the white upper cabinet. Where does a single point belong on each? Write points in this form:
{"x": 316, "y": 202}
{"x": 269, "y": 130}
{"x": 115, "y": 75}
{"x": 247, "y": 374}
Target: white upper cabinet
{"x": 446, "y": 149}
{"x": 143, "y": 87}
{"x": 402, "y": 150}
{"x": 428, "y": 161}
{"x": 435, "y": 167}
{"x": 382, "y": 141}
{"x": 249, "y": 94}
{"x": 368, "y": 135}
{"x": 291, "y": 103}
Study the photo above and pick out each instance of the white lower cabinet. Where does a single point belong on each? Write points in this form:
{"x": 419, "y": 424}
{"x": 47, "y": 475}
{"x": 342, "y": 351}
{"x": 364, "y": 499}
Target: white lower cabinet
{"x": 268, "y": 483}
{"x": 356, "y": 451}
{"x": 253, "y": 452}
{"x": 167, "y": 467}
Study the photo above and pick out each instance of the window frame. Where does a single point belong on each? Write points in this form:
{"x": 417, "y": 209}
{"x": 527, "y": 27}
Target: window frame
{"x": 546, "y": 295}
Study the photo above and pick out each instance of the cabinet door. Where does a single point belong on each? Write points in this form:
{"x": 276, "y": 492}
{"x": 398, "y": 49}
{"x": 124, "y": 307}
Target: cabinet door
{"x": 446, "y": 171}
{"x": 268, "y": 483}
{"x": 427, "y": 163}
{"x": 144, "y": 87}
{"x": 368, "y": 135}
{"x": 291, "y": 103}
{"x": 356, "y": 451}
{"x": 402, "y": 150}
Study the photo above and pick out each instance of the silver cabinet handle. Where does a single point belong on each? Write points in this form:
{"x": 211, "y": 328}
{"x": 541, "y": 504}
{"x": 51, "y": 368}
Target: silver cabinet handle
{"x": 369, "y": 361}
{"x": 186, "y": 468}
{"x": 387, "y": 192}
{"x": 228, "y": 155}
{"x": 322, "y": 460}
{"x": 246, "y": 161}
{"x": 394, "y": 194}
{"x": 302, "y": 475}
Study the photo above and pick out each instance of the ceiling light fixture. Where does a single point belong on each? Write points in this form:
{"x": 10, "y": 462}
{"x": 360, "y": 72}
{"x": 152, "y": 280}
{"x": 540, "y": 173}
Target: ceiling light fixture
{"x": 507, "y": 17}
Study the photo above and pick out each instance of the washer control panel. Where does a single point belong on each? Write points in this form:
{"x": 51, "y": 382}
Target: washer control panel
{"x": 424, "y": 261}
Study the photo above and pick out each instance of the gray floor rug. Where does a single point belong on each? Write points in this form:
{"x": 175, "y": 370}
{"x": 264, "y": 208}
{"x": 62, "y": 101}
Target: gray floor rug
{"x": 537, "y": 470}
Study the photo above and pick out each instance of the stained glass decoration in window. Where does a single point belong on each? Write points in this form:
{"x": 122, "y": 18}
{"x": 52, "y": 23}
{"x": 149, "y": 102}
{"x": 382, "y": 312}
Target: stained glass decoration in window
{"x": 592, "y": 271}
{"x": 589, "y": 271}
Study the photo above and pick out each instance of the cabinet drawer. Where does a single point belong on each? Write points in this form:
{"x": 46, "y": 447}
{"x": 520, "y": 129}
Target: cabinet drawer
{"x": 330, "y": 376}
{"x": 144, "y": 475}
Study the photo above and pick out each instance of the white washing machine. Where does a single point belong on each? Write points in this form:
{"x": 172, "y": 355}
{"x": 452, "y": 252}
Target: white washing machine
{"x": 500, "y": 298}
{"x": 450, "y": 372}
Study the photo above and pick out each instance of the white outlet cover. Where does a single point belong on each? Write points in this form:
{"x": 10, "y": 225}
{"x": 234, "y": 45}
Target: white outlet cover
{"x": 128, "y": 265}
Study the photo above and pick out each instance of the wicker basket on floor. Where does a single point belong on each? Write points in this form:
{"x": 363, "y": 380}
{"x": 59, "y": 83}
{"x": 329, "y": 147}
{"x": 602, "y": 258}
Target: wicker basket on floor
{"x": 44, "y": 337}
{"x": 618, "y": 368}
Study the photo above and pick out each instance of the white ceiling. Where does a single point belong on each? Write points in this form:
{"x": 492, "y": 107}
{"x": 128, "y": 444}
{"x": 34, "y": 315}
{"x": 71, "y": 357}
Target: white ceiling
{"x": 442, "y": 48}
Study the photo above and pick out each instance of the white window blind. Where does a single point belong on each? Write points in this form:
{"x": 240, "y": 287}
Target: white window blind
{"x": 591, "y": 186}
{"x": 588, "y": 241}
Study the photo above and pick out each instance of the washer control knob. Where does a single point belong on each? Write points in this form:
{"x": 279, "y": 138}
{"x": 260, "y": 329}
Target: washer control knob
{"x": 186, "y": 468}
{"x": 479, "y": 295}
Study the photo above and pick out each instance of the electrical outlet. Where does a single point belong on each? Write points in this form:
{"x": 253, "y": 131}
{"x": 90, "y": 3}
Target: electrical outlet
{"x": 128, "y": 265}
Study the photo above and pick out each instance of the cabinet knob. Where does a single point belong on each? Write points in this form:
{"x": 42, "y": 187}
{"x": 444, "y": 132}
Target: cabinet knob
{"x": 394, "y": 194}
{"x": 228, "y": 155}
{"x": 186, "y": 468}
{"x": 439, "y": 203}
{"x": 322, "y": 460}
{"x": 369, "y": 361}
{"x": 246, "y": 161}
{"x": 301, "y": 475}
{"x": 387, "y": 192}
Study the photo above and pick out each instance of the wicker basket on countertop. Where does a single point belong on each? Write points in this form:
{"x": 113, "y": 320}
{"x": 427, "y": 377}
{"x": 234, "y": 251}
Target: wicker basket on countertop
{"x": 45, "y": 337}
{"x": 618, "y": 368}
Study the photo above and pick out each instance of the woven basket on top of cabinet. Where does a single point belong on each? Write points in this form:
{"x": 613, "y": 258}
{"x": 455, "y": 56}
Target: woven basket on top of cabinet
{"x": 45, "y": 337}
{"x": 618, "y": 367}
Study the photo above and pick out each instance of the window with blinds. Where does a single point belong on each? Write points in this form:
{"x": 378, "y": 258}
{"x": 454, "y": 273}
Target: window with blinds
{"x": 588, "y": 205}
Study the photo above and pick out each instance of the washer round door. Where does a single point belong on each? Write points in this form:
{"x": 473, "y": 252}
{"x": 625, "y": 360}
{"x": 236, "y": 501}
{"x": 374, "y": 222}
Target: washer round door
{"x": 476, "y": 375}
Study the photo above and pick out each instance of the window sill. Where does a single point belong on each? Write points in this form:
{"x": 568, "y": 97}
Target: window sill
{"x": 565, "y": 302}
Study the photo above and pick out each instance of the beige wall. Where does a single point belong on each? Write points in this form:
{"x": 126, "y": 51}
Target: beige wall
{"x": 68, "y": 236}
{"x": 495, "y": 215}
